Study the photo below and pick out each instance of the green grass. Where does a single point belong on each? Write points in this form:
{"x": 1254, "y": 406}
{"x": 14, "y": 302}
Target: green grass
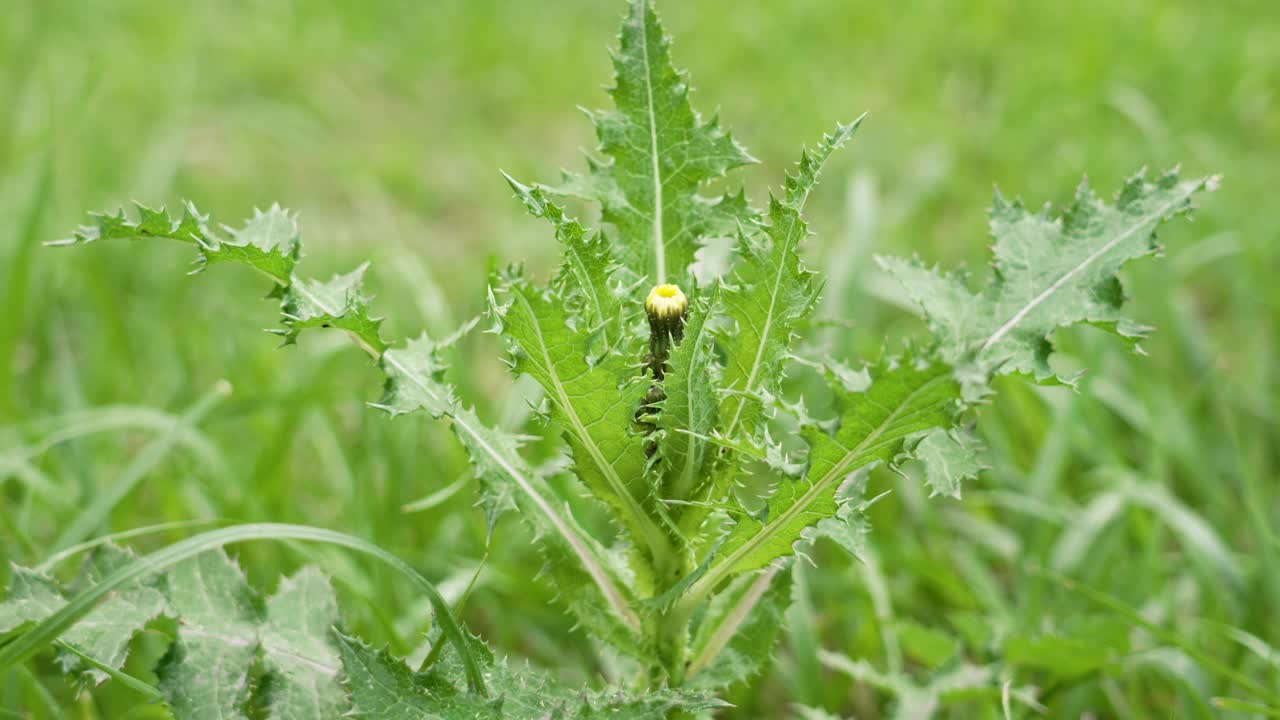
{"x": 385, "y": 125}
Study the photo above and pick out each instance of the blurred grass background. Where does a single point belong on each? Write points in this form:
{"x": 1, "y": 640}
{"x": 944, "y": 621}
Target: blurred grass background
{"x": 385, "y": 123}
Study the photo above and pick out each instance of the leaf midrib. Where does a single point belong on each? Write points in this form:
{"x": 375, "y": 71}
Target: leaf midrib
{"x": 768, "y": 321}
{"x": 659, "y": 249}
{"x": 796, "y": 209}
{"x": 695, "y": 352}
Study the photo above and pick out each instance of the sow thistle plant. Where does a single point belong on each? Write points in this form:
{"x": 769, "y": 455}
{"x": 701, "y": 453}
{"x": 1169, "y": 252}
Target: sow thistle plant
{"x": 666, "y": 385}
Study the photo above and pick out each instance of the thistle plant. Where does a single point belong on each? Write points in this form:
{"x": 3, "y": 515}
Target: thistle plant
{"x": 665, "y": 386}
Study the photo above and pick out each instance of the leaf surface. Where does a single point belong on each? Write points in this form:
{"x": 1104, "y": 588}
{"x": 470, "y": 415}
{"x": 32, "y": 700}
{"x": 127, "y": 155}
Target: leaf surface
{"x": 736, "y": 638}
{"x": 660, "y": 152}
{"x": 594, "y": 403}
{"x": 206, "y": 674}
{"x": 383, "y": 688}
{"x": 29, "y": 597}
{"x": 298, "y": 652}
{"x": 413, "y": 382}
{"x": 907, "y": 397}
{"x": 270, "y": 243}
{"x": 338, "y": 302}
{"x": 688, "y": 413}
{"x": 770, "y": 293}
{"x": 586, "y": 281}
{"x": 1050, "y": 271}
{"x": 105, "y": 633}
{"x": 949, "y": 457}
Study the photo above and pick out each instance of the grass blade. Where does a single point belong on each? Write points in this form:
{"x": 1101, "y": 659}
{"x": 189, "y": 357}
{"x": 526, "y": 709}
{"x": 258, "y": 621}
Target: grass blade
{"x": 1210, "y": 663}
{"x": 143, "y": 463}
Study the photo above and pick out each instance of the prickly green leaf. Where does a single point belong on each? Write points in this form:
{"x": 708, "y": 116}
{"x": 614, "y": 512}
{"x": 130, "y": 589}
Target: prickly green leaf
{"x": 583, "y": 572}
{"x": 268, "y": 242}
{"x": 906, "y": 398}
{"x": 206, "y": 674}
{"x": 770, "y": 293}
{"x": 338, "y": 302}
{"x": 736, "y": 638}
{"x": 595, "y": 590}
{"x": 948, "y": 457}
{"x": 580, "y": 568}
{"x": 415, "y": 380}
{"x": 661, "y": 152}
{"x": 1049, "y": 272}
{"x": 30, "y": 597}
{"x": 586, "y": 281}
{"x": 848, "y": 527}
{"x": 383, "y": 688}
{"x": 587, "y": 578}
{"x": 223, "y": 631}
{"x": 298, "y": 654}
{"x": 594, "y": 403}
{"x": 754, "y": 459}
{"x": 577, "y": 564}
{"x": 105, "y": 633}
{"x": 192, "y": 227}
{"x": 688, "y": 413}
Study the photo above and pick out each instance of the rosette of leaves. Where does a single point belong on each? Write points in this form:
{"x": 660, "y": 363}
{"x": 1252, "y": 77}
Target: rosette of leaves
{"x": 690, "y": 582}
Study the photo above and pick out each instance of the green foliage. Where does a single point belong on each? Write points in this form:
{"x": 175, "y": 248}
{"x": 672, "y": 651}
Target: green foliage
{"x": 949, "y": 457}
{"x": 688, "y": 412}
{"x": 226, "y": 648}
{"x": 770, "y": 294}
{"x": 594, "y": 402}
{"x": 735, "y": 638}
{"x": 269, "y": 243}
{"x": 660, "y": 153}
{"x": 689, "y": 580}
{"x": 384, "y": 688}
{"x": 914, "y": 700}
{"x": 1049, "y": 272}
{"x": 222, "y": 631}
{"x": 907, "y": 397}
{"x": 105, "y": 634}
{"x": 234, "y": 656}
{"x": 586, "y": 281}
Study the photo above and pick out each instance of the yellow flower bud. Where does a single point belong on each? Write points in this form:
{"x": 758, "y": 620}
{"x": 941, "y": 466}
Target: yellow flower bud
{"x": 666, "y": 302}
{"x": 666, "y": 307}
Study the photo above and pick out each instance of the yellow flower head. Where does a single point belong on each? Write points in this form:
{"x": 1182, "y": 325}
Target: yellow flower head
{"x": 666, "y": 302}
